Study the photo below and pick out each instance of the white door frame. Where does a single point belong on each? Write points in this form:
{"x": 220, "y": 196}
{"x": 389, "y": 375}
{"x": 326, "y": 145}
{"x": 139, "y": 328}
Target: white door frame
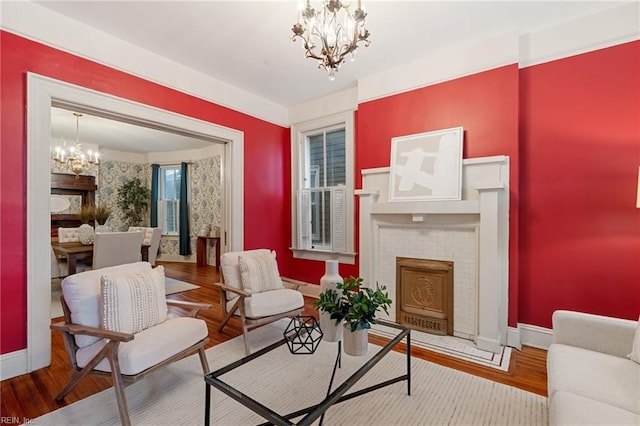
{"x": 41, "y": 92}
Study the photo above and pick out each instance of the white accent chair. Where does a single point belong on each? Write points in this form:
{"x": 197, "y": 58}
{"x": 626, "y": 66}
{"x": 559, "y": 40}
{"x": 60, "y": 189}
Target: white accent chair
{"x": 254, "y": 308}
{"x": 125, "y": 357}
{"x": 68, "y": 235}
{"x": 116, "y": 248}
{"x": 151, "y": 237}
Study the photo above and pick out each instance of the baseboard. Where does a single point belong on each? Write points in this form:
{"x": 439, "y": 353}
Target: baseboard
{"x": 513, "y": 337}
{"x": 13, "y": 364}
{"x": 535, "y": 336}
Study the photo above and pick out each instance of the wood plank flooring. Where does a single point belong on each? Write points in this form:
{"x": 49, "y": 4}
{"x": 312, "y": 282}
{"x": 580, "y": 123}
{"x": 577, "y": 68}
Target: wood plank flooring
{"x": 31, "y": 395}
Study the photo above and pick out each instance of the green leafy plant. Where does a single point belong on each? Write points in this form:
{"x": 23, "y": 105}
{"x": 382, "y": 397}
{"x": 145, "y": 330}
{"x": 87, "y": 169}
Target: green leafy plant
{"x": 101, "y": 213}
{"x": 133, "y": 201}
{"x": 354, "y": 304}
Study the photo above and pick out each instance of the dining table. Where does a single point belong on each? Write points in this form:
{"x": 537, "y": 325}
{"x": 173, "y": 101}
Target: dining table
{"x": 75, "y": 250}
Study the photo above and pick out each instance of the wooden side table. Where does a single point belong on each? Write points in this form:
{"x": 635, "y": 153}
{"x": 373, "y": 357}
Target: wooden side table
{"x": 201, "y": 250}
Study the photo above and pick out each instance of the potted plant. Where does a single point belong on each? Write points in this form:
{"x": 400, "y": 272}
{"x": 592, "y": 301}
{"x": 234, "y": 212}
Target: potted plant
{"x": 356, "y": 308}
{"x": 85, "y": 231}
{"x": 101, "y": 213}
{"x": 133, "y": 201}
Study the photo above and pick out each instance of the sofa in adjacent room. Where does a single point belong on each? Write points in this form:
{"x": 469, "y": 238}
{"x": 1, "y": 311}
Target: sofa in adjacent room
{"x": 592, "y": 376}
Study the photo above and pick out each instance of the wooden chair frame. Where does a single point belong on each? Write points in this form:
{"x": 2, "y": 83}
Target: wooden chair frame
{"x": 110, "y": 352}
{"x": 249, "y": 322}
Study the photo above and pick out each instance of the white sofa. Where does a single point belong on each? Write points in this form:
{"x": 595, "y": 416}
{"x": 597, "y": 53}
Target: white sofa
{"x": 591, "y": 380}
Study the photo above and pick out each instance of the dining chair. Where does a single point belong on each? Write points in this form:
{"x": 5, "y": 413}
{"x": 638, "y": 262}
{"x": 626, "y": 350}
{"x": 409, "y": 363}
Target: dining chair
{"x": 116, "y": 248}
{"x": 151, "y": 237}
{"x": 60, "y": 268}
{"x": 68, "y": 235}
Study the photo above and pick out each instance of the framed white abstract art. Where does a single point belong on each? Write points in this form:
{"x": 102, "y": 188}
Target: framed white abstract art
{"x": 427, "y": 166}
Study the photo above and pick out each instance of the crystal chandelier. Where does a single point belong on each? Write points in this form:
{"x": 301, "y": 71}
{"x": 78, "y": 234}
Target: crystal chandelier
{"x": 74, "y": 155}
{"x": 332, "y": 33}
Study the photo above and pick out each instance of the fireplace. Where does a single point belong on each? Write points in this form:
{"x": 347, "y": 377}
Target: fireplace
{"x": 424, "y": 294}
{"x": 471, "y": 233}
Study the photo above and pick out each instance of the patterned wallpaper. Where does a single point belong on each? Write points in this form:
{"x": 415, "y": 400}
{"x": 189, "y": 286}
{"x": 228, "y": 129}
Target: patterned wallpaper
{"x": 206, "y": 195}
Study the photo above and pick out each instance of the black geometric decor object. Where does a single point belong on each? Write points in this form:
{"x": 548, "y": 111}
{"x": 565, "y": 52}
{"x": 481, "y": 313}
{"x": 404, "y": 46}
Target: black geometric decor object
{"x": 303, "y": 335}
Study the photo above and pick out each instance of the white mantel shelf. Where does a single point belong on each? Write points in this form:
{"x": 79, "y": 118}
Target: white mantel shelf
{"x": 427, "y": 207}
{"x": 485, "y": 202}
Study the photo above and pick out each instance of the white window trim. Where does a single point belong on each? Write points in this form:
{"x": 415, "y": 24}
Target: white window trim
{"x": 298, "y": 131}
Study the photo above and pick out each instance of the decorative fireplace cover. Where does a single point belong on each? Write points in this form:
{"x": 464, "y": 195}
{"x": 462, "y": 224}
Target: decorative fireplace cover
{"x": 424, "y": 294}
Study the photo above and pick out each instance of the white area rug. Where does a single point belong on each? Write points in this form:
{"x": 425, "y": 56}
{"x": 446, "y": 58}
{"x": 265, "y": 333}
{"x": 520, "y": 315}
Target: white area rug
{"x": 285, "y": 382}
{"x": 171, "y": 286}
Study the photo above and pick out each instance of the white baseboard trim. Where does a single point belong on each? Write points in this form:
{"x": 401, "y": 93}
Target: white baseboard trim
{"x": 513, "y": 337}
{"x": 13, "y": 364}
{"x": 535, "y": 336}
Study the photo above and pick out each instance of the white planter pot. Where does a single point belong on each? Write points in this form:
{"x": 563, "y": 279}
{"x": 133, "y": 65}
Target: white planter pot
{"x": 85, "y": 234}
{"x": 356, "y": 343}
{"x": 101, "y": 228}
{"x": 330, "y": 331}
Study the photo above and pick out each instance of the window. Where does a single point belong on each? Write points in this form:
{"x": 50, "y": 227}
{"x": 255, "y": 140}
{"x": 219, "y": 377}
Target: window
{"x": 169, "y": 199}
{"x": 323, "y": 189}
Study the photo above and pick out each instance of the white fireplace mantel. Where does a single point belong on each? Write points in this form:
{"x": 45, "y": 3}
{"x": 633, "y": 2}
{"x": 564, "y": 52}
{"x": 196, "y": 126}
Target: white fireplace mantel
{"x": 484, "y": 208}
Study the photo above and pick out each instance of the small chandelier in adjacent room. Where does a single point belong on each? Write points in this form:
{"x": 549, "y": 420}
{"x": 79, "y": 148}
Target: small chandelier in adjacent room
{"x": 73, "y": 155}
{"x": 331, "y": 33}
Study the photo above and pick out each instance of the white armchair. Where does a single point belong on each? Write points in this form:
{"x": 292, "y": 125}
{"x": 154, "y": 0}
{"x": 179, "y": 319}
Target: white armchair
{"x": 150, "y": 237}
{"x": 112, "y": 330}
{"x": 253, "y": 291}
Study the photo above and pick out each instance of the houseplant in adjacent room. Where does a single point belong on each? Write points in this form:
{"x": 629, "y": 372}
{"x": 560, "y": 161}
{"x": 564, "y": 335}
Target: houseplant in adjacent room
{"x": 133, "y": 201}
{"x": 355, "y": 307}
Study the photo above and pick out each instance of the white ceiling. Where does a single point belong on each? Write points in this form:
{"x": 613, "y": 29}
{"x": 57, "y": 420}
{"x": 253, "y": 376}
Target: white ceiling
{"x": 117, "y": 135}
{"x": 248, "y": 44}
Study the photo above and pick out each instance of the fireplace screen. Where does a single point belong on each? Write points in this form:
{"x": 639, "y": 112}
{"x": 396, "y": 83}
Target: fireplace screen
{"x": 424, "y": 294}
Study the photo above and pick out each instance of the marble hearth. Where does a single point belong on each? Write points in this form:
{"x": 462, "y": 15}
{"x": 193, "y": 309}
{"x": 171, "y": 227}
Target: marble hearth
{"x": 473, "y": 233}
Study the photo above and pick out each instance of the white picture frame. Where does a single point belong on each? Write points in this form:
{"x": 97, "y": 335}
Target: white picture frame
{"x": 427, "y": 166}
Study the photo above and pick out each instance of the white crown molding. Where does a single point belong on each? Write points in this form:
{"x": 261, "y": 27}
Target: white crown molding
{"x": 614, "y": 26}
{"x": 466, "y": 59}
{"x": 40, "y": 24}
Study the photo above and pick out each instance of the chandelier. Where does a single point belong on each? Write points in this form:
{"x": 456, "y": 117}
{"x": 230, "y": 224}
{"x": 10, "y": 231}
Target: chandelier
{"x": 330, "y": 34}
{"x": 74, "y": 155}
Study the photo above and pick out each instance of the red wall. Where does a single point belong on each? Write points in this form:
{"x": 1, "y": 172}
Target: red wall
{"x": 267, "y": 177}
{"x": 580, "y": 151}
{"x": 570, "y": 128}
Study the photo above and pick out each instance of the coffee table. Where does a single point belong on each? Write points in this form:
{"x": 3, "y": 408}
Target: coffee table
{"x": 335, "y": 396}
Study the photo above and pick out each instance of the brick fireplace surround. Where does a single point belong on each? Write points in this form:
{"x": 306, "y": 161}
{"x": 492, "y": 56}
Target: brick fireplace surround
{"x": 473, "y": 233}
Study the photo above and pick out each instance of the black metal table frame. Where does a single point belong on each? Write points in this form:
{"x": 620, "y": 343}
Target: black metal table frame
{"x": 315, "y": 411}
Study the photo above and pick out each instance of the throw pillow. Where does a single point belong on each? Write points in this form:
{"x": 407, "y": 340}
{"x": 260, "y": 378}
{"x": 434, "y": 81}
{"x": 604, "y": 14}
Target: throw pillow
{"x": 133, "y": 302}
{"x": 259, "y": 273}
{"x": 635, "y": 350}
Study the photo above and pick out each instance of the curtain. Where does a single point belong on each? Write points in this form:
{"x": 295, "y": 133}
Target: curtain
{"x": 155, "y": 170}
{"x": 185, "y": 243}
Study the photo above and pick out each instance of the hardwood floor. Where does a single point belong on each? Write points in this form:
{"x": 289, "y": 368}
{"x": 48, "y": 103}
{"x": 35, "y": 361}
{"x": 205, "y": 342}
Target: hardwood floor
{"x": 32, "y": 395}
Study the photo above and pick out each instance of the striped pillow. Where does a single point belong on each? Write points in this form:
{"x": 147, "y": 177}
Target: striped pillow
{"x": 259, "y": 273}
{"x": 133, "y": 302}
